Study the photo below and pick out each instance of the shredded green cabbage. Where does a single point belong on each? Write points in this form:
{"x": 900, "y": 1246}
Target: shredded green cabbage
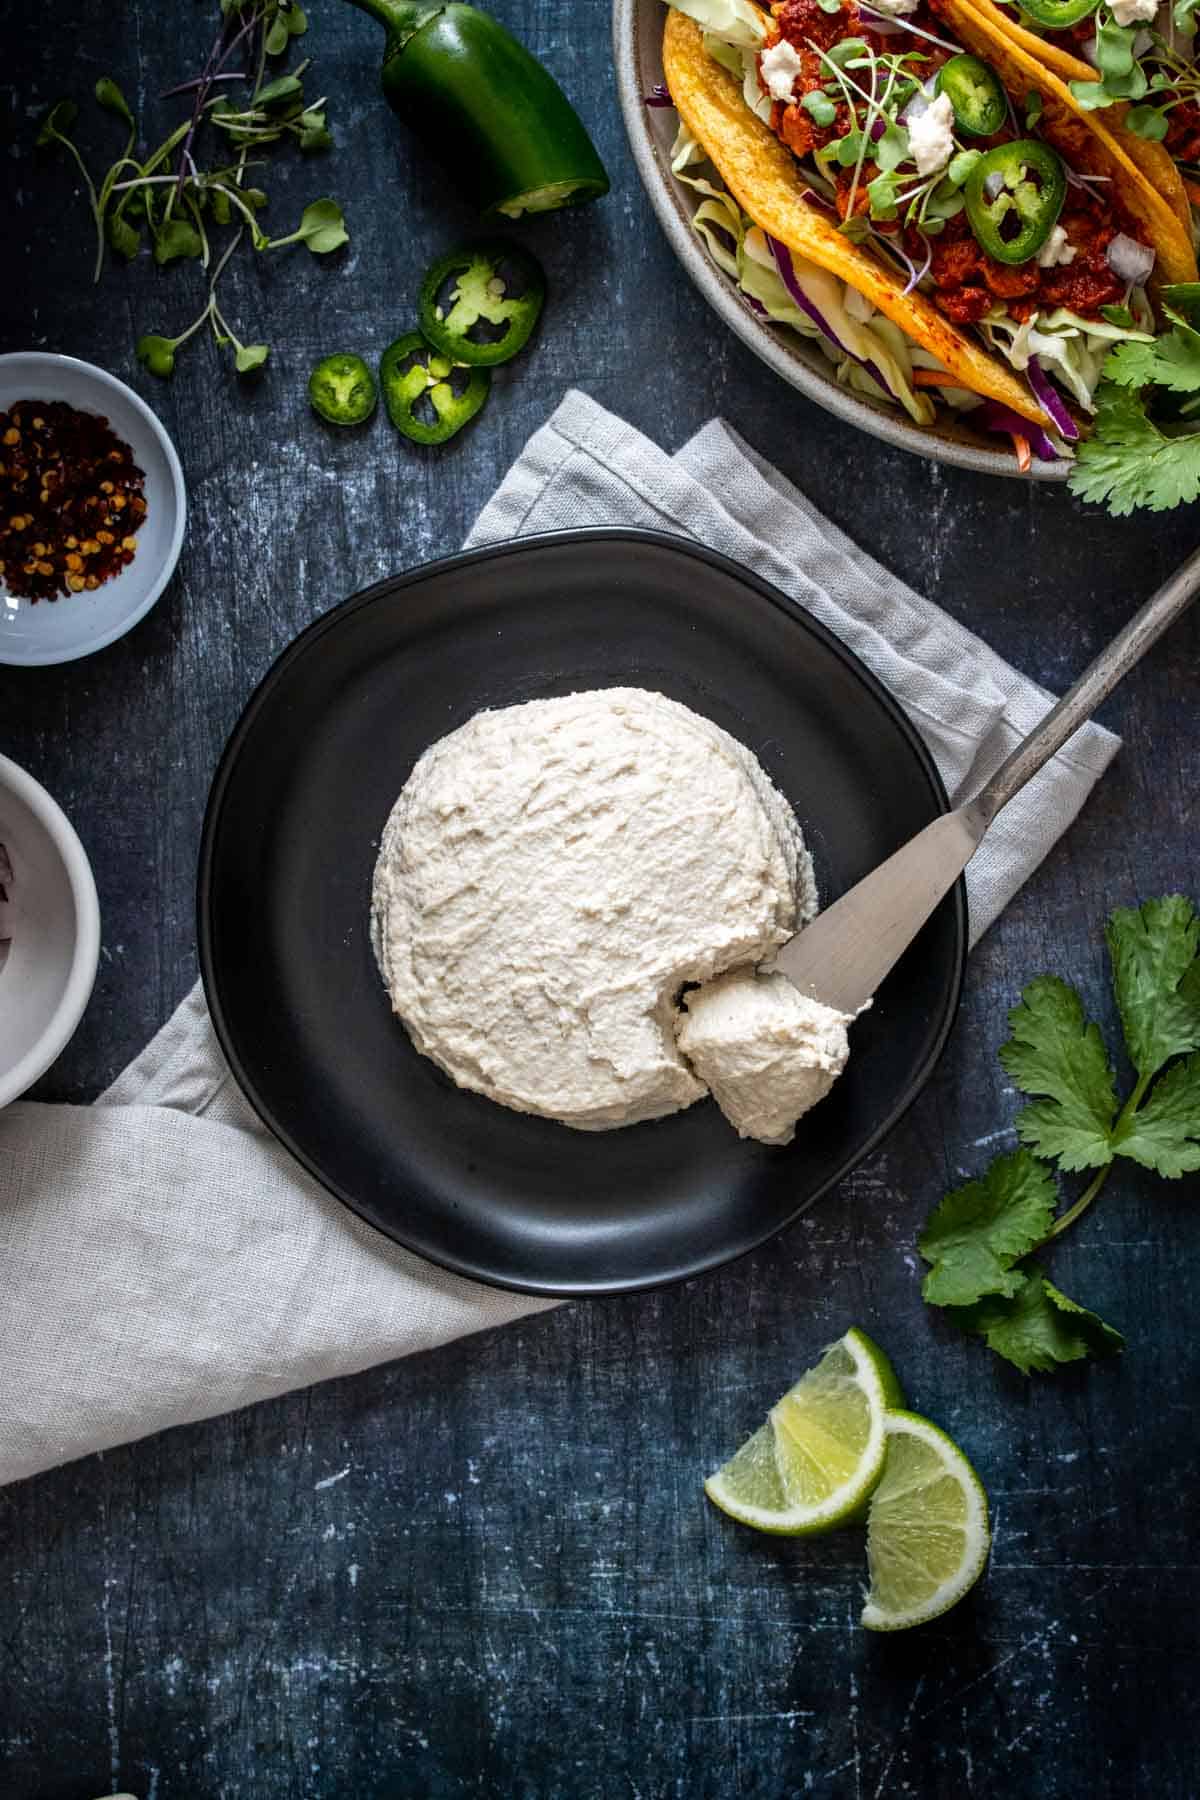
{"x": 1066, "y": 345}
{"x": 742, "y": 63}
{"x": 740, "y": 250}
{"x": 733, "y": 21}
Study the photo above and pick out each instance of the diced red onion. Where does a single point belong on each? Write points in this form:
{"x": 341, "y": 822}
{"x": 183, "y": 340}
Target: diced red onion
{"x": 878, "y": 127}
{"x": 658, "y": 96}
{"x": 1051, "y": 401}
{"x": 994, "y": 416}
{"x": 787, "y": 274}
{"x": 1083, "y": 181}
{"x": 1129, "y": 259}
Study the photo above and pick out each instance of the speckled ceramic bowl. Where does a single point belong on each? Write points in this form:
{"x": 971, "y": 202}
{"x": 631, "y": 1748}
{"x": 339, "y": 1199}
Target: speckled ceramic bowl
{"x": 637, "y": 47}
{"x": 54, "y": 631}
{"x": 48, "y": 967}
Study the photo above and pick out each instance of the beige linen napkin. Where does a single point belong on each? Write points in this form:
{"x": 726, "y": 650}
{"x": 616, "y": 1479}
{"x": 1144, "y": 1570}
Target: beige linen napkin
{"x": 165, "y": 1260}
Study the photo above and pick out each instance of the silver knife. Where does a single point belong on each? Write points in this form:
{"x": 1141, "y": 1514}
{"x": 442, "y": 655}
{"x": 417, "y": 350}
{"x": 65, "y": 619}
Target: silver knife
{"x": 842, "y": 957}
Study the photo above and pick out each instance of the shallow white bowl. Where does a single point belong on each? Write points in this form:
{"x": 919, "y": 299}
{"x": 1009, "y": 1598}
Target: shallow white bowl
{"x": 53, "y": 631}
{"x": 637, "y": 45}
{"x": 47, "y": 978}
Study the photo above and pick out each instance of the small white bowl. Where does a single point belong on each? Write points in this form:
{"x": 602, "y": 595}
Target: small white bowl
{"x": 54, "y": 631}
{"x": 47, "y": 976}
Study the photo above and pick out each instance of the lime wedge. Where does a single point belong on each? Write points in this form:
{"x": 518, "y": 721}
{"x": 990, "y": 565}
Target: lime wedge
{"x": 813, "y": 1465}
{"x": 927, "y": 1530}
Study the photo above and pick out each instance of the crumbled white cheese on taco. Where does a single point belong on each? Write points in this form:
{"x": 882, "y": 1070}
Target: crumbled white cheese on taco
{"x": 1056, "y": 249}
{"x": 931, "y": 135}
{"x": 1129, "y": 12}
{"x": 779, "y": 66}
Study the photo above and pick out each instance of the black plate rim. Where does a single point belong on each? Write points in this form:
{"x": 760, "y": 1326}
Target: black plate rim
{"x": 386, "y": 589}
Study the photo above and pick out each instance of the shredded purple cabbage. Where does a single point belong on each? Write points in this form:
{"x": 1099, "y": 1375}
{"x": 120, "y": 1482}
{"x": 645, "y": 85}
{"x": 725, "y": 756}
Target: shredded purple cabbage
{"x": 1051, "y": 401}
{"x": 811, "y": 197}
{"x": 916, "y": 275}
{"x": 658, "y": 96}
{"x": 994, "y": 416}
{"x": 787, "y": 274}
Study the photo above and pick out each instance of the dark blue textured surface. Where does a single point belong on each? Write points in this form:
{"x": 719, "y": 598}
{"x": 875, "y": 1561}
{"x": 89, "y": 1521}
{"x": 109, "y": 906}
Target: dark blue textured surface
{"x": 490, "y": 1570}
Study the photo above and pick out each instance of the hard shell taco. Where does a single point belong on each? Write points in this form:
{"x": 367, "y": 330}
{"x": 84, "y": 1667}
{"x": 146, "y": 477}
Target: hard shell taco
{"x": 922, "y": 194}
{"x": 1131, "y": 64}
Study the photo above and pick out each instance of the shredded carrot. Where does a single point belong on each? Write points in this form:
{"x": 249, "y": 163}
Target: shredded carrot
{"x": 1024, "y": 453}
{"x": 943, "y": 378}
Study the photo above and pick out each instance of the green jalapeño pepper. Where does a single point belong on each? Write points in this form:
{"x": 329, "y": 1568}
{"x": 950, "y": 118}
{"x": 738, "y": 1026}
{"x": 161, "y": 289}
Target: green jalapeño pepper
{"x": 1056, "y": 15}
{"x": 974, "y": 91}
{"x": 479, "y": 304}
{"x": 342, "y": 389}
{"x": 427, "y": 398}
{"x": 499, "y": 123}
{"x": 1014, "y": 195}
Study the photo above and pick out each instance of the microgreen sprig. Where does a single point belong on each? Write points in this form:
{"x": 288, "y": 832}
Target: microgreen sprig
{"x": 167, "y": 196}
{"x": 874, "y": 88}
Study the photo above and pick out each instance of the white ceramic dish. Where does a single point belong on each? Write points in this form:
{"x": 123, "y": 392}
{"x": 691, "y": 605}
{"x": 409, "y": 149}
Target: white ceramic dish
{"x": 54, "y": 631}
{"x": 47, "y": 975}
{"x": 637, "y": 51}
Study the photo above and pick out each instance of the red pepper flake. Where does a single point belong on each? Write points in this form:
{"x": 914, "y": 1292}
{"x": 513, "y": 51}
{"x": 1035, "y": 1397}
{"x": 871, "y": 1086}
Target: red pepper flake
{"x": 71, "y": 499}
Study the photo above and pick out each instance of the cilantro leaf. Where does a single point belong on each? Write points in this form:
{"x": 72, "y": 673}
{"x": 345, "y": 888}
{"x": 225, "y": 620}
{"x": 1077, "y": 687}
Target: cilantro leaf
{"x": 979, "y": 1230}
{"x": 1128, "y": 462}
{"x": 1039, "y": 1327}
{"x": 1155, "y": 951}
{"x": 1171, "y": 362}
{"x": 1055, "y": 1054}
{"x": 1164, "y": 1133}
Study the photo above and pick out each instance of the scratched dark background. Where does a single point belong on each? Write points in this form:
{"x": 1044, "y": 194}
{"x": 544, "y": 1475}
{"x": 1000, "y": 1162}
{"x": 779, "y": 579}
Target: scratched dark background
{"x": 489, "y": 1570}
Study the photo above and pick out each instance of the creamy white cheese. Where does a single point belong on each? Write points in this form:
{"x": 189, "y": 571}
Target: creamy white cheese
{"x": 1129, "y": 12}
{"x": 931, "y": 135}
{"x": 779, "y": 66}
{"x": 552, "y": 875}
{"x": 1056, "y": 249}
{"x": 895, "y": 9}
{"x": 766, "y": 1052}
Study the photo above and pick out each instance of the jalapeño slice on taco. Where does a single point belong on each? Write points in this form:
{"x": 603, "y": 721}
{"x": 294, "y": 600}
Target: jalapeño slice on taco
{"x": 1133, "y": 65}
{"x": 942, "y": 176}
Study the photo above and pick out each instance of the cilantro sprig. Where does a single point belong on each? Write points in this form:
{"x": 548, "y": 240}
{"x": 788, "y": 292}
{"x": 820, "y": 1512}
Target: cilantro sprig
{"x": 1132, "y": 459}
{"x": 980, "y": 1240}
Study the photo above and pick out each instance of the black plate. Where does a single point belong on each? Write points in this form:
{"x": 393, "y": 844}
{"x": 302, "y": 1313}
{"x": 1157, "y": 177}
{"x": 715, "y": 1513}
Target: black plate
{"x": 290, "y": 838}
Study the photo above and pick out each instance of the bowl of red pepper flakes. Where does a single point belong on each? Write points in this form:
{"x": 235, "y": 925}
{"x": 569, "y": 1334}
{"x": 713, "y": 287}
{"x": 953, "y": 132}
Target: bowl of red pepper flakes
{"x": 92, "y": 508}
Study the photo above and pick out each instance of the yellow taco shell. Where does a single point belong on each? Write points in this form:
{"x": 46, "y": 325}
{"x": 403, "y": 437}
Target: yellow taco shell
{"x": 766, "y": 180}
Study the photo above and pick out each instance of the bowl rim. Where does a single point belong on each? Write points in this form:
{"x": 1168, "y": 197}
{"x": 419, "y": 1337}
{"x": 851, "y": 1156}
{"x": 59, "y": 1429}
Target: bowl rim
{"x": 786, "y": 360}
{"x": 56, "y": 359}
{"x": 85, "y": 957}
